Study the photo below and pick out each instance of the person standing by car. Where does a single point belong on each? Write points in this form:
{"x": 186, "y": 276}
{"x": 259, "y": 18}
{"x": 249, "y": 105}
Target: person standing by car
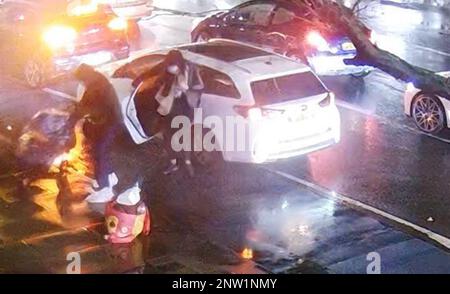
{"x": 100, "y": 108}
{"x": 172, "y": 103}
{"x": 161, "y": 98}
{"x": 103, "y": 124}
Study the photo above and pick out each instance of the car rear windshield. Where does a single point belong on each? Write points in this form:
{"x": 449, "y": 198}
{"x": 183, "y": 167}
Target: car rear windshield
{"x": 287, "y": 88}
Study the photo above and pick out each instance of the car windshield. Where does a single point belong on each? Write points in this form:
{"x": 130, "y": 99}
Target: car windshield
{"x": 285, "y": 88}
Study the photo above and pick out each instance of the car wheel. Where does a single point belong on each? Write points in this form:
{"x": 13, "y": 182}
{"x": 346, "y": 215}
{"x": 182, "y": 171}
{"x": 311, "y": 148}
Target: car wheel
{"x": 35, "y": 72}
{"x": 428, "y": 114}
{"x": 206, "y": 159}
{"x": 203, "y": 37}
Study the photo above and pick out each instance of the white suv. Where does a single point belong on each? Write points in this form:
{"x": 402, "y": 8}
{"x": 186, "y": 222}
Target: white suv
{"x": 285, "y": 109}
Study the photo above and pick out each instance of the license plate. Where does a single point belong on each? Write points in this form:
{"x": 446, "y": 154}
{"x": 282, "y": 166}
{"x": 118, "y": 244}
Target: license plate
{"x": 348, "y": 46}
{"x": 300, "y": 117}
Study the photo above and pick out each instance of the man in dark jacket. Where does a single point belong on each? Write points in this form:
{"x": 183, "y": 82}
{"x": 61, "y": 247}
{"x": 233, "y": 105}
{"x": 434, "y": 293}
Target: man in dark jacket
{"x": 100, "y": 107}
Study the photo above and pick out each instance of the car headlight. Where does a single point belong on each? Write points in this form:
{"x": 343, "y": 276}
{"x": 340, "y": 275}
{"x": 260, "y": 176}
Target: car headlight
{"x": 59, "y": 37}
{"x": 118, "y": 24}
{"x": 316, "y": 40}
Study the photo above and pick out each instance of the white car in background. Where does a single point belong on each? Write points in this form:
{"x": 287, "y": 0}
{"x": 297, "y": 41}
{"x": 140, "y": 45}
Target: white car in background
{"x": 286, "y": 109}
{"x": 130, "y": 9}
{"x": 429, "y": 111}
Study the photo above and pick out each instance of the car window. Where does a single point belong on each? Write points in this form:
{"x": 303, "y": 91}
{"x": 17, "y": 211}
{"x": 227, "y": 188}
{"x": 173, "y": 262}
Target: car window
{"x": 258, "y": 14}
{"x": 282, "y": 16}
{"x": 218, "y": 83}
{"x": 285, "y": 88}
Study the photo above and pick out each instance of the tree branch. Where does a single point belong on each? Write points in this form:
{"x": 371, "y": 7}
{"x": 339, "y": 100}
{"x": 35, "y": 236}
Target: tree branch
{"x": 343, "y": 21}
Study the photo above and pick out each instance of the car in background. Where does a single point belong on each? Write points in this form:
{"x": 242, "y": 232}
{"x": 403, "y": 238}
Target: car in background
{"x": 285, "y": 109}
{"x": 130, "y": 9}
{"x": 430, "y": 112}
{"x": 283, "y": 27}
{"x": 44, "y": 39}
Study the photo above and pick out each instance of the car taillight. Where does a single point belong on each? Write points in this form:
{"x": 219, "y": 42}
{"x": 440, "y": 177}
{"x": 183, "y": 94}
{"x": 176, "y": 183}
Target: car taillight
{"x": 316, "y": 40}
{"x": 327, "y": 101}
{"x": 118, "y": 24}
{"x": 256, "y": 113}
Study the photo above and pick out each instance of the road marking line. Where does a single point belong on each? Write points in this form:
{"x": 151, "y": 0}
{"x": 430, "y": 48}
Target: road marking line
{"x": 431, "y": 50}
{"x": 435, "y": 137}
{"x": 341, "y": 198}
{"x": 416, "y": 45}
{"x": 60, "y": 94}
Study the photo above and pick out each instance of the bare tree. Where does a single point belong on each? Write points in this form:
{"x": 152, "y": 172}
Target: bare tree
{"x": 334, "y": 16}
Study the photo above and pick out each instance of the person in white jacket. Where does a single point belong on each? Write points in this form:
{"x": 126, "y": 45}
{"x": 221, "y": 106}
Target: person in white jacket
{"x": 172, "y": 102}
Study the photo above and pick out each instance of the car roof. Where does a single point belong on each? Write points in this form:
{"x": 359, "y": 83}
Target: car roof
{"x": 251, "y": 62}
{"x": 269, "y": 66}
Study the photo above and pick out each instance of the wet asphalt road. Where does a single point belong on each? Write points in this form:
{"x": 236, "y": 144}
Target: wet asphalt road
{"x": 382, "y": 161}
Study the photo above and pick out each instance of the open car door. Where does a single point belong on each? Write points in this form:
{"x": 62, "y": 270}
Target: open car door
{"x": 133, "y": 88}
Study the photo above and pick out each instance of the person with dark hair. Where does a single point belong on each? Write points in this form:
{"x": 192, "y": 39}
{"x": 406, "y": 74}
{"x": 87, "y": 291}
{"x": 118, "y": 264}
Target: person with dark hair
{"x": 172, "y": 102}
{"x": 100, "y": 108}
{"x": 99, "y": 104}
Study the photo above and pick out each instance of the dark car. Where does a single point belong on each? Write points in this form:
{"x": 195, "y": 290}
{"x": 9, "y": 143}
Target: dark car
{"x": 284, "y": 28}
{"x": 44, "y": 39}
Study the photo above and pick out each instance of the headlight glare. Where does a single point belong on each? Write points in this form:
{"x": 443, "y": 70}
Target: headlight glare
{"x": 59, "y": 37}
